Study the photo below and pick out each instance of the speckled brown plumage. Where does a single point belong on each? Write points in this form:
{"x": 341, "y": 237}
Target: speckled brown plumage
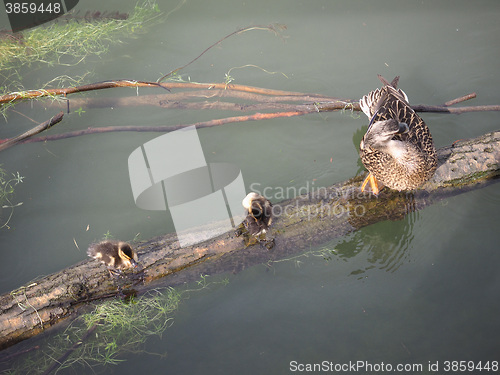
{"x": 416, "y": 159}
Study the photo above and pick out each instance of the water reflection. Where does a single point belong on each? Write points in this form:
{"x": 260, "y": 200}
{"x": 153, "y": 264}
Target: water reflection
{"x": 385, "y": 245}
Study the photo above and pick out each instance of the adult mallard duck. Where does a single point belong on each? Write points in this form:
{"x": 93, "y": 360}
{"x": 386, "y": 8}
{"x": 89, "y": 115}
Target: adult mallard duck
{"x": 397, "y": 148}
{"x": 116, "y": 255}
{"x": 259, "y": 217}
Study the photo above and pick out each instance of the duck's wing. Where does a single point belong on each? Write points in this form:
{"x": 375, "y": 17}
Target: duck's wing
{"x": 268, "y": 214}
{"x": 98, "y": 250}
{"x": 252, "y": 225}
{"x": 398, "y": 107}
{"x": 371, "y": 103}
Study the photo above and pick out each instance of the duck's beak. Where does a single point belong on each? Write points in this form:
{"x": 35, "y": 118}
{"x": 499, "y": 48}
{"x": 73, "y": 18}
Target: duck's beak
{"x": 133, "y": 262}
{"x": 372, "y": 119}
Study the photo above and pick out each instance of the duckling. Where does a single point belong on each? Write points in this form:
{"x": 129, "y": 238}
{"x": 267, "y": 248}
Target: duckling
{"x": 258, "y": 220}
{"x": 397, "y": 149}
{"x": 259, "y": 213}
{"x": 116, "y": 255}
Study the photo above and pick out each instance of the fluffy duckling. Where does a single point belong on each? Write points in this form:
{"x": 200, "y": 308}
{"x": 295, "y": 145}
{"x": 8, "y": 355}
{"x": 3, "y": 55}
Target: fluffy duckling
{"x": 259, "y": 214}
{"x": 116, "y": 255}
{"x": 258, "y": 220}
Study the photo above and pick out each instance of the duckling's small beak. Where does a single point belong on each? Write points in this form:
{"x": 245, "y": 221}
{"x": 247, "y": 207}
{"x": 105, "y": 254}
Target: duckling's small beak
{"x": 133, "y": 262}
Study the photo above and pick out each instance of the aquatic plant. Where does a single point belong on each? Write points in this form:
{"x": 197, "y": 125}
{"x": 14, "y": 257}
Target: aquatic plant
{"x": 102, "y": 336}
{"x": 7, "y": 185}
{"x": 69, "y": 42}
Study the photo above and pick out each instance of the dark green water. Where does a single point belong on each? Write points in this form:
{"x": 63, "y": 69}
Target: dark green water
{"x": 420, "y": 290}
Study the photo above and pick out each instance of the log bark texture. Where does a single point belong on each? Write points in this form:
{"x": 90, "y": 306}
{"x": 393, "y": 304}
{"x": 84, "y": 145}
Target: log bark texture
{"x": 305, "y": 221}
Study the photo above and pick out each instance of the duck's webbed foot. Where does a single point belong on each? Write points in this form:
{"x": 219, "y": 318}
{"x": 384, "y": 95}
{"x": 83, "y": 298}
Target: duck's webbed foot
{"x": 375, "y": 186}
{"x": 114, "y": 272}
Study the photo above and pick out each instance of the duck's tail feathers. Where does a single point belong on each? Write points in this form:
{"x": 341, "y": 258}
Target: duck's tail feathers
{"x": 394, "y": 82}
{"x": 393, "y": 85}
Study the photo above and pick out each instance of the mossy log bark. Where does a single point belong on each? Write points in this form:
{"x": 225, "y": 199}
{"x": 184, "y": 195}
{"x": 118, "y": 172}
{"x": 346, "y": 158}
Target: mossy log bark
{"x": 305, "y": 221}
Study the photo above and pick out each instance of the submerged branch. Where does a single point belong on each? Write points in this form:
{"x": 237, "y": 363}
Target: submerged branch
{"x": 286, "y": 104}
{"x": 163, "y": 129}
{"x": 306, "y": 221}
{"x": 316, "y": 102}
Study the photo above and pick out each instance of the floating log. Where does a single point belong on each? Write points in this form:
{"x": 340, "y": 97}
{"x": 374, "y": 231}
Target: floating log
{"x": 305, "y": 221}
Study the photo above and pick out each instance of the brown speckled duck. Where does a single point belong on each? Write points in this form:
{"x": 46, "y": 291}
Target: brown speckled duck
{"x": 116, "y": 255}
{"x": 397, "y": 149}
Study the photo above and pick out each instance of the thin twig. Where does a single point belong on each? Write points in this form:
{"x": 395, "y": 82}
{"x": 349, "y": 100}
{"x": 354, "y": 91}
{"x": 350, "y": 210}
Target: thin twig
{"x": 459, "y": 110}
{"x": 248, "y": 28}
{"x": 22, "y": 114}
{"x": 166, "y": 128}
{"x": 460, "y": 100}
